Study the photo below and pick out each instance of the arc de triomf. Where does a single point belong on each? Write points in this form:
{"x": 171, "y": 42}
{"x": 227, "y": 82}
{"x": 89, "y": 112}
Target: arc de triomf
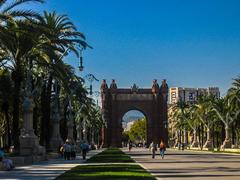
{"x": 152, "y": 102}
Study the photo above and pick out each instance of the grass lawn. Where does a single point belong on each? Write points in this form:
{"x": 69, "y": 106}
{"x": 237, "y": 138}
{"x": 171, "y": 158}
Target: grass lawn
{"x": 112, "y": 155}
{"x": 120, "y": 169}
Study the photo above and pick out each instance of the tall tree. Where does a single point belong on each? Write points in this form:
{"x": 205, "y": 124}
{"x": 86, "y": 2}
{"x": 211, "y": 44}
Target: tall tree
{"x": 19, "y": 41}
{"x": 63, "y": 36}
{"x": 11, "y": 39}
{"x": 137, "y": 132}
{"x": 5, "y": 96}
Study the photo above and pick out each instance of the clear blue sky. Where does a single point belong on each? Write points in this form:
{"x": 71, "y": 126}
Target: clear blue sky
{"x": 191, "y": 43}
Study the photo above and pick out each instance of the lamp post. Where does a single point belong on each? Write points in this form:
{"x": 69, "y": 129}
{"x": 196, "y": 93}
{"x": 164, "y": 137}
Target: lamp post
{"x": 70, "y": 123}
{"x": 97, "y": 94}
{"x": 81, "y": 67}
{"x": 91, "y": 78}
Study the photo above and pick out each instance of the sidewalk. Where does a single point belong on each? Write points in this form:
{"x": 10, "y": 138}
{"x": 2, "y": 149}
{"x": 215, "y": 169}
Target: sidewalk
{"x": 192, "y": 165}
{"x": 44, "y": 170}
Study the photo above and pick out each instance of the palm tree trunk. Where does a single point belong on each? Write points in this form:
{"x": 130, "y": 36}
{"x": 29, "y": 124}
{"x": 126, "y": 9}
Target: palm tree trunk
{"x": 222, "y": 133}
{"x": 227, "y": 142}
{"x": 180, "y": 137}
{"x": 233, "y": 134}
{"x": 186, "y": 136}
{"x": 16, "y": 114}
{"x": 43, "y": 118}
{"x": 48, "y": 112}
{"x": 35, "y": 119}
{"x": 92, "y": 130}
{"x": 6, "y": 114}
{"x": 176, "y": 138}
{"x": 195, "y": 141}
{"x": 74, "y": 130}
{"x": 227, "y": 132}
{"x": 209, "y": 143}
{"x": 79, "y": 132}
{"x": 202, "y": 132}
{"x": 63, "y": 124}
{"x": 199, "y": 136}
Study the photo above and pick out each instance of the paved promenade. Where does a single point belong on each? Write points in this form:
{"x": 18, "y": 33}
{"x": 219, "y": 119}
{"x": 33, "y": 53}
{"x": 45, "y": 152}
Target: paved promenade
{"x": 189, "y": 165}
{"x": 44, "y": 170}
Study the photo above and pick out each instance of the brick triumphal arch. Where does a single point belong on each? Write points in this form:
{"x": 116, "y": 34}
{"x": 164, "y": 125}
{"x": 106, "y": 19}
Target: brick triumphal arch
{"x": 152, "y": 102}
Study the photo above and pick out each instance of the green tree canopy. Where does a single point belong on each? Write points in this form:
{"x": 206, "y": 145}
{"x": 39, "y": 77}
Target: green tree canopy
{"x": 137, "y": 132}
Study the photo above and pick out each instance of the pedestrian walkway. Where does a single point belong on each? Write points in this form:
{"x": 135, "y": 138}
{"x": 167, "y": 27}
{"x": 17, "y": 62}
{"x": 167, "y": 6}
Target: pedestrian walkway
{"x": 179, "y": 165}
{"x": 44, "y": 170}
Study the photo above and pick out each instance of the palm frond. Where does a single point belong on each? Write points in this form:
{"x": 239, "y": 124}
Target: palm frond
{"x": 16, "y": 3}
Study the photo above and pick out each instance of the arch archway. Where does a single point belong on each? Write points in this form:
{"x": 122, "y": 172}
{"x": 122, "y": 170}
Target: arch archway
{"x": 117, "y": 101}
{"x": 130, "y": 121}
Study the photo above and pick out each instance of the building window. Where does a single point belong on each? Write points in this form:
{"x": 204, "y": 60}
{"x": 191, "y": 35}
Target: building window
{"x": 173, "y": 94}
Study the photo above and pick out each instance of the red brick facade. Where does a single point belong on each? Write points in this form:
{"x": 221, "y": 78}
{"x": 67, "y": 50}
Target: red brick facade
{"x": 151, "y": 102}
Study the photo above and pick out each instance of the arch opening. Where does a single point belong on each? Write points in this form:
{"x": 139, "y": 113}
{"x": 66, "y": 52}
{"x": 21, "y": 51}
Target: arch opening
{"x": 134, "y": 128}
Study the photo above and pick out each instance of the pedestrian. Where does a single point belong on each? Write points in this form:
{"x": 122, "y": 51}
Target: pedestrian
{"x": 182, "y": 145}
{"x": 60, "y": 151}
{"x": 1, "y": 154}
{"x": 130, "y": 146}
{"x": 162, "y": 149}
{"x": 153, "y": 148}
{"x": 84, "y": 147}
{"x": 179, "y": 146}
{"x": 67, "y": 150}
{"x": 73, "y": 151}
{"x": 6, "y": 164}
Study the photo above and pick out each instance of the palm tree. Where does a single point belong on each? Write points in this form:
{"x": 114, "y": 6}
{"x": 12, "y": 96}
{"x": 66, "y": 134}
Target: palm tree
{"x": 181, "y": 118}
{"x": 234, "y": 98}
{"x": 9, "y": 10}
{"x": 20, "y": 42}
{"x": 16, "y": 43}
{"x": 193, "y": 124}
{"x": 223, "y": 110}
{"x": 62, "y": 35}
{"x": 38, "y": 46}
{"x": 205, "y": 114}
{"x": 95, "y": 122}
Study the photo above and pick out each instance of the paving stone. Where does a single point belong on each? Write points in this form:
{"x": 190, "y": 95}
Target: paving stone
{"x": 182, "y": 165}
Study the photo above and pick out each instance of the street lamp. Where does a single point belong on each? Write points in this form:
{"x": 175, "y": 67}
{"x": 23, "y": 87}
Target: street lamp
{"x": 91, "y": 78}
{"x": 81, "y": 67}
{"x": 97, "y": 94}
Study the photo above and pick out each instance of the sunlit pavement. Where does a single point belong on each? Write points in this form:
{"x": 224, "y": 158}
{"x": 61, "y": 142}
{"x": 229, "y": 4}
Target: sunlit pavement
{"x": 189, "y": 165}
{"x": 44, "y": 170}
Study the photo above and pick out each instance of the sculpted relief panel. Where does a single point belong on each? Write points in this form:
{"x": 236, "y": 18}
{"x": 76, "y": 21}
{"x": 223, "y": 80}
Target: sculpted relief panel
{"x": 134, "y": 97}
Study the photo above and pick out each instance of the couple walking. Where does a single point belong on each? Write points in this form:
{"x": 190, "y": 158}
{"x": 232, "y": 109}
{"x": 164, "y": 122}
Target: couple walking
{"x": 153, "y": 148}
{"x": 68, "y": 150}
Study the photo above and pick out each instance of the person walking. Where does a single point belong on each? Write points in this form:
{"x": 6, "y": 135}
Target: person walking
{"x": 153, "y": 149}
{"x": 84, "y": 147}
{"x": 162, "y": 148}
{"x": 73, "y": 151}
{"x": 67, "y": 150}
{"x": 130, "y": 146}
{"x": 182, "y": 146}
{"x": 60, "y": 151}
